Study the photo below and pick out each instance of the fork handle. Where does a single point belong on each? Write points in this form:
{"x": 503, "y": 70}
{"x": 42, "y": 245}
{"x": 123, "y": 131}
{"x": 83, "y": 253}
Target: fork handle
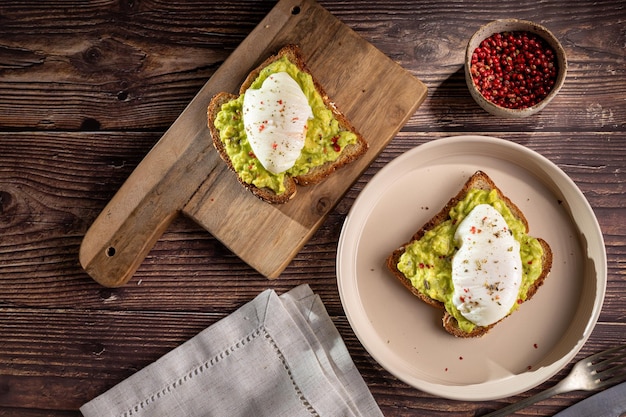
{"x": 557, "y": 389}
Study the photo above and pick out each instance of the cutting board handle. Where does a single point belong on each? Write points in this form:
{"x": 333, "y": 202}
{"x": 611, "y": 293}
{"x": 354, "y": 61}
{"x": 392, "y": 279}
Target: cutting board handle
{"x": 111, "y": 254}
{"x": 122, "y": 235}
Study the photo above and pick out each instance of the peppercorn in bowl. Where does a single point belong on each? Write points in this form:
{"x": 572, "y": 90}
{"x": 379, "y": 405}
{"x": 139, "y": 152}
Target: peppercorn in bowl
{"x": 513, "y": 68}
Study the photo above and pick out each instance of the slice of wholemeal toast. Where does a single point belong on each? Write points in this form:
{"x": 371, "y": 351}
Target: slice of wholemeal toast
{"x": 481, "y": 181}
{"x": 316, "y": 173}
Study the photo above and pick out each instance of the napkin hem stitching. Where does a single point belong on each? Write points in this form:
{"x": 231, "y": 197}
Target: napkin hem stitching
{"x": 307, "y": 405}
{"x": 152, "y": 398}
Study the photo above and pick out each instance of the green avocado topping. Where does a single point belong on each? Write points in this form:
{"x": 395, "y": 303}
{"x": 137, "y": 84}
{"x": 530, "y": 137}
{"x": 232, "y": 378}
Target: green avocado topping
{"x": 324, "y": 138}
{"x": 427, "y": 262}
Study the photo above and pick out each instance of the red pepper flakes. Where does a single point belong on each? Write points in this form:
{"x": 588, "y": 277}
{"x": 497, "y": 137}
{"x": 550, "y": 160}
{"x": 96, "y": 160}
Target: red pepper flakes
{"x": 460, "y": 358}
{"x": 334, "y": 141}
{"x": 274, "y": 146}
{"x": 421, "y": 265}
{"x": 535, "y": 346}
{"x": 251, "y": 154}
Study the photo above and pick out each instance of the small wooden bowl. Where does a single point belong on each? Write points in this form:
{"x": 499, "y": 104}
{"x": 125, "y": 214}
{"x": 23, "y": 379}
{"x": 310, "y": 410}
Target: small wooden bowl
{"x": 514, "y": 25}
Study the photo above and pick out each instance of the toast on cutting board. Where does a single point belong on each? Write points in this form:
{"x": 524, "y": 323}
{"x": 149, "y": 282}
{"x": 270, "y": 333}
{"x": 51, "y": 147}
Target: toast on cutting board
{"x": 330, "y": 143}
{"x": 410, "y": 265}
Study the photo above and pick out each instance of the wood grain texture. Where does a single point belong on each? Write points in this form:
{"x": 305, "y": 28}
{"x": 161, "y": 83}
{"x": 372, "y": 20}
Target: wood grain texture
{"x": 183, "y": 172}
{"x": 88, "y": 88}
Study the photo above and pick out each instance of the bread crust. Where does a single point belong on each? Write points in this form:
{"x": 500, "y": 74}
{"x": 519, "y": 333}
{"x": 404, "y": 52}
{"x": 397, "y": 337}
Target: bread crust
{"x": 316, "y": 174}
{"x": 482, "y": 181}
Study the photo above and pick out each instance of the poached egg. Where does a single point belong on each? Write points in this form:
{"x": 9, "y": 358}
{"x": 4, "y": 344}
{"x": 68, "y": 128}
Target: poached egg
{"x": 275, "y": 120}
{"x": 487, "y": 268}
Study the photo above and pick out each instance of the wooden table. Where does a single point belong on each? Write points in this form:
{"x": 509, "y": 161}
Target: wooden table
{"x": 86, "y": 90}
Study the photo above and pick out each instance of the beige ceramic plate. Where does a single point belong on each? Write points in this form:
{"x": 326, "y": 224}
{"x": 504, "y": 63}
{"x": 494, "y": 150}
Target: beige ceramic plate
{"x": 405, "y": 336}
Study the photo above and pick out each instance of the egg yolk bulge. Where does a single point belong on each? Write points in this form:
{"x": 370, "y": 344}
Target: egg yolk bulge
{"x": 324, "y": 139}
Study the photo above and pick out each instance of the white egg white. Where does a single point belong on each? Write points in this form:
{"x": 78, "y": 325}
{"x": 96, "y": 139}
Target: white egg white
{"x": 275, "y": 118}
{"x": 487, "y": 268}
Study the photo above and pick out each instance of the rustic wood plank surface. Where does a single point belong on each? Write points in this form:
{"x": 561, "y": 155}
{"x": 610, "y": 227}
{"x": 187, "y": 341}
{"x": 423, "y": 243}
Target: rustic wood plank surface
{"x": 86, "y": 90}
{"x": 183, "y": 172}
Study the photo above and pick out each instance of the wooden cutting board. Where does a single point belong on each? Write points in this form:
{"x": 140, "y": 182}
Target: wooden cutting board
{"x": 184, "y": 174}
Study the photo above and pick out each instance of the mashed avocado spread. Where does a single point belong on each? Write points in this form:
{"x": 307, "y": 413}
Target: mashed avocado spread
{"x": 324, "y": 139}
{"x": 427, "y": 263}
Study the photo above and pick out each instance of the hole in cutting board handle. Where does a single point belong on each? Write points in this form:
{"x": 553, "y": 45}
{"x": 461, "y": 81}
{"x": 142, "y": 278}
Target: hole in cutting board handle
{"x": 110, "y": 251}
{"x": 295, "y": 10}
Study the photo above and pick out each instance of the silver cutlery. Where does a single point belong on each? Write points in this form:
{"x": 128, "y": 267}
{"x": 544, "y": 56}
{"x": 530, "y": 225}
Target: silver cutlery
{"x": 592, "y": 373}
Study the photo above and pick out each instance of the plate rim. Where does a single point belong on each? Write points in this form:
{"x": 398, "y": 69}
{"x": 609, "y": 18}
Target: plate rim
{"x": 468, "y": 391}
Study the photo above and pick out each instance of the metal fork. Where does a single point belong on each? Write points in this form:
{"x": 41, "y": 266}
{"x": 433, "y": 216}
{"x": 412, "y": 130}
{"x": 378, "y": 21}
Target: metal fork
{"x": 594, "y": 372}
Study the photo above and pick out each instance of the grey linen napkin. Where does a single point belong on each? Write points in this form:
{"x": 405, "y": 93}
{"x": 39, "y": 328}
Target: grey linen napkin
{"x": 275, "y": 356}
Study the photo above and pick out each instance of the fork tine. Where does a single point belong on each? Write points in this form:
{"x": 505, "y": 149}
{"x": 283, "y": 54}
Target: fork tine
{"x": 607, "y": 358}
{"x": 612, "y": 372}
{"x": 608, "y": 366}
{"x": 615, "y": 379}
{"x": 607, "y": 363}
{"x": 621, "y": 349}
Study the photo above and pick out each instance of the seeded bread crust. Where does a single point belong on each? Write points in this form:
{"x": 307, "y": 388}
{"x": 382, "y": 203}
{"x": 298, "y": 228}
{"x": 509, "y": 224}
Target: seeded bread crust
{"x": 316, "y": 174}
{"x": 478, "y": 180}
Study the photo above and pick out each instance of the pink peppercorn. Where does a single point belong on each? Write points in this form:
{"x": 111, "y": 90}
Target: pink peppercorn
{"x": 514, "y": 69}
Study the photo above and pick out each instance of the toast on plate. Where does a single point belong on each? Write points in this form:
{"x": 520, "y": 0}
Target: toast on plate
{"x": 426, "y": 264}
